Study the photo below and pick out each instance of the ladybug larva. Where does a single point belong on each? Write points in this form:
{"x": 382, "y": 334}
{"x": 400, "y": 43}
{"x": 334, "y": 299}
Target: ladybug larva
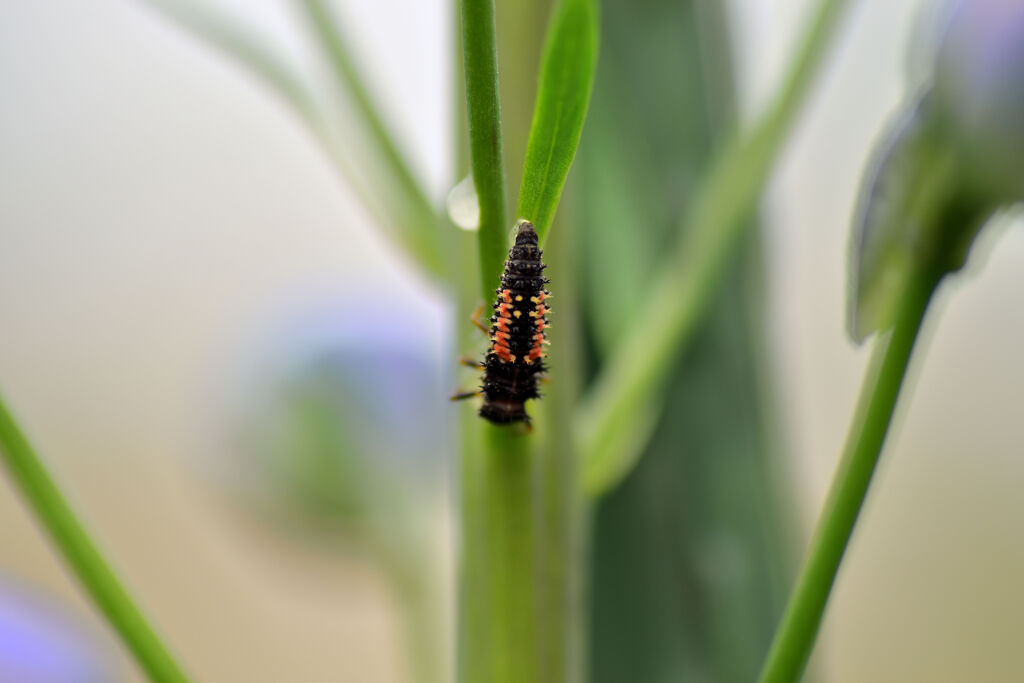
{"x": 515, "y": 356}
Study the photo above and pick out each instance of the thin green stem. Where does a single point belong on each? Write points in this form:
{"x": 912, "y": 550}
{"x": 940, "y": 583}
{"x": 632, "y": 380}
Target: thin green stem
{"x": 715, "y": 225}
{"x": 508, "y": 490}
{"x": 480, "y": 61}
{"x": 30, "y": 476}
{"x": 351, "y": 82}
{"x": 404, "y": 220}
{"x": 560, "y": 534}
{"x": 498, "y": 588}
{"x": 892, "y": 353}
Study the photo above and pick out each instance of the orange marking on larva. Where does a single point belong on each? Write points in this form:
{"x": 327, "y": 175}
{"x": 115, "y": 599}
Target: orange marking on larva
{"x": 506, "y": 296}
{"x": 501, "y": 324}
{"x": 541, "y": 310}
{"x": 535, "y": 353}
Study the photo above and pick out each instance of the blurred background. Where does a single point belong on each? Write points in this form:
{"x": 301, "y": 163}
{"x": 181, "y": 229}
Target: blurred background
{"x": 211, "y": 345}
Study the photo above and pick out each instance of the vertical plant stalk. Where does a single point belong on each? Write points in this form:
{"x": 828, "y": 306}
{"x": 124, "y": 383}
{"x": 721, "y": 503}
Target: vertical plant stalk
{"x": 560, "y": 547}
{"x": 30, "y": 476}
{"x": 892, "y": 353}
{"x": 480, "y": 60}
{"x": 507, "y": 489}
{"x": 404, "y": 214}
{"x": 498, "y": 604}
{"x": 350, "y": 81}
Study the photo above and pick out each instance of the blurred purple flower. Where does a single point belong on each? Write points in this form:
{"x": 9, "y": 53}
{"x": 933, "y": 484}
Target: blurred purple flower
{"x": 979, "y": 88}
{"x": 39, "y": 644}
{"x": 342, "y": 408}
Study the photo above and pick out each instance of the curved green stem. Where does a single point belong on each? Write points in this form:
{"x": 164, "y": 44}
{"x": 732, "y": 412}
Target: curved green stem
{"x": 799, "y": 628}
{"x": 480, "y": 61}
{"x": 405, "y": 217}
{"x": 618, "y": 405}
{"x": 351, "y": 82}
{"x": 87, "y": 563}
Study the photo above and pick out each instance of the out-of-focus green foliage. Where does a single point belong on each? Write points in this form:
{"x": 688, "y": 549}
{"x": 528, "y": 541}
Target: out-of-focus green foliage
{"x": 917, "y": 210}
{"x": 376, "y": 171}
{"x": 714, "y": 225}
{"x": 689, "y": 556}
{"x": 81, "y": 554}
{"x": 952, "y": 158}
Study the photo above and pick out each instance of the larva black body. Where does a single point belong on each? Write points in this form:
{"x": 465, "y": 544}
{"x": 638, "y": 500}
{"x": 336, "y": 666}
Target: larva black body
{"x": 516, "y": 355}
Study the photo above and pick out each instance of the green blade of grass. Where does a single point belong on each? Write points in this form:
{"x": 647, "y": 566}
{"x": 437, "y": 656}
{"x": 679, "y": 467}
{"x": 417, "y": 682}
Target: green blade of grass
{"x": 563, "y": 95}
{"x": 718, "y": 219}
{"x": 411, "y": 191}
{"x": 397, "y": 215}
{"x": 69, "y": 537}
{"x": 480, "y": 60}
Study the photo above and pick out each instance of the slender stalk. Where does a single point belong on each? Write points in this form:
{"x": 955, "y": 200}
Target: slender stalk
{"x": 891, "y": 356}
{"x": 507, "y": 487}
{"x": 716, "y": 223}
{"x": 403, "y": 217}
{"x": 498, "y": 607}
{"x": 480, "y": 61}
{"x": 343, "y": 65}
{"x": 30, "y": 476}
{"x": 561, "y": 554}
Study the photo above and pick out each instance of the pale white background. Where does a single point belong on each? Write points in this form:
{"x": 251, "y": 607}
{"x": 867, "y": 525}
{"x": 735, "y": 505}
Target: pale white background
{"x": 158, "y": 208}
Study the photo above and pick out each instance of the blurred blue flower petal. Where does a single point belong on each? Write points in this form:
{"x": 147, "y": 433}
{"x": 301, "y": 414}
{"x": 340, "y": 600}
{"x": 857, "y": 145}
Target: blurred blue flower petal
{"x": 38, "y": 644}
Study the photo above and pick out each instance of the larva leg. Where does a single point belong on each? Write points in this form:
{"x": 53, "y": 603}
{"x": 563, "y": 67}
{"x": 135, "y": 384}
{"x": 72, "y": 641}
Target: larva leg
{"x": 462, "y": 395}
{"x": 477, "y": 319}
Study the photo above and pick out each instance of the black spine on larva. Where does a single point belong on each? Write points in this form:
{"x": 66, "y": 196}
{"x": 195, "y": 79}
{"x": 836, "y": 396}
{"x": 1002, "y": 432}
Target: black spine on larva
{"x": 515, "y": 356}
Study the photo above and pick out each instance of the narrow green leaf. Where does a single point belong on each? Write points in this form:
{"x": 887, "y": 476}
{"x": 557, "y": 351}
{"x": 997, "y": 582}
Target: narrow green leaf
{"x": 410, "y": 191}
{"x": 718, "y": 219}
{"x": 401, "y": 215}
{"x": 563, "y": 94}
{"x": 480, "y": 59}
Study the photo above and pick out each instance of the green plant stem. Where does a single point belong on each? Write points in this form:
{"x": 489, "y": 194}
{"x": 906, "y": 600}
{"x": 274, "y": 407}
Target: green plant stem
{"x": 799, "y": 627}
{"x": 561, "y": 554}
{"x": 87, "y": 563}
{"x": 403, "y": 218}
{"x": 499, "y": 605}
{"x": 716, "y": 223}
{"x": 508, "y": 490}
{"x": 480, "y": 61}
{"x": 348, "y": 77}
